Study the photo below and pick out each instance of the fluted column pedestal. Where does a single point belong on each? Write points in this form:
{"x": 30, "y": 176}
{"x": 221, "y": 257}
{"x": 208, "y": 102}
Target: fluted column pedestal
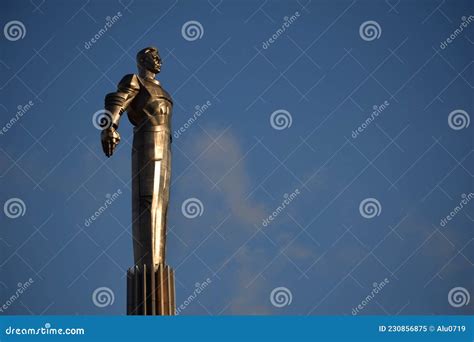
{"x": 151, "y": 291}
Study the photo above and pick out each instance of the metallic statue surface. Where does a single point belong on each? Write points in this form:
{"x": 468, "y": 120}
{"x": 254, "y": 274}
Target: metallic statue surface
{"x": 149, "y": 108}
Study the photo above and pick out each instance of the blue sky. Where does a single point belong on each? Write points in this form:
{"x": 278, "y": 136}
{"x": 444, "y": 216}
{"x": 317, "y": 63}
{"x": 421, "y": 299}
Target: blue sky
{"x": 323, "y": 74}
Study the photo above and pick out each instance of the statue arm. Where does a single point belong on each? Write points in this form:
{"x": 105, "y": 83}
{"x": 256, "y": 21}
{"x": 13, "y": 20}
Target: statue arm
{"x": 116, "y": 104}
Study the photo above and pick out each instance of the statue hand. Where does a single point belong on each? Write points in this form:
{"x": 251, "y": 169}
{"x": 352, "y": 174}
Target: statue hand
{"x": 110, "y": 139}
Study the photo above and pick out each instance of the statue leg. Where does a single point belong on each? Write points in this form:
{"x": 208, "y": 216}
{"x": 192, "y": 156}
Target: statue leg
{"x": 162, "y": 199}
{"x": 151, "y": 172}
{"x": 150, "y": 283}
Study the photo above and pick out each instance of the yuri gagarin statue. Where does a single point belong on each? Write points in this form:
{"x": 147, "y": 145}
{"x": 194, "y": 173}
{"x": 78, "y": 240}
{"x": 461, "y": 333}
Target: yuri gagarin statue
{"x": 148, "y": 107}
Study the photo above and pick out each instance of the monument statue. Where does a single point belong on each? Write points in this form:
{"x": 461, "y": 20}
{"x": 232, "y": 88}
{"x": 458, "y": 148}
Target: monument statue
{"x": 150, "y": 282}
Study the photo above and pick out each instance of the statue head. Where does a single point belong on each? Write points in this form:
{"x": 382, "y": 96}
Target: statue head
{"x": 149, "y": 59}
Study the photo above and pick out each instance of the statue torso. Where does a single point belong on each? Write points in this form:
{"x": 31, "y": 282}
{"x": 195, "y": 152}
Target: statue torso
{"x": 151, "y": 106}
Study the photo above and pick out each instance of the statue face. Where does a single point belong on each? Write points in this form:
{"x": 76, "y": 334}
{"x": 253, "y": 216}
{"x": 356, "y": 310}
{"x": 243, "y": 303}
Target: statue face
{"x": 152, "y": 62}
